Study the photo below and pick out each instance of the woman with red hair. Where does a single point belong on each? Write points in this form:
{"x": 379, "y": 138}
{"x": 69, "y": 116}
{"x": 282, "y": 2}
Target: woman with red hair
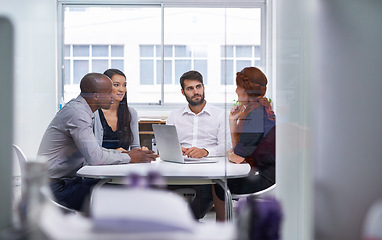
{"x": 252, "y": 125}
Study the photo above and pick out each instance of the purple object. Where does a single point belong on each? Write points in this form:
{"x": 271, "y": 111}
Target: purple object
{"x": 259, "y": 219}
{"x": 152, "y": 180}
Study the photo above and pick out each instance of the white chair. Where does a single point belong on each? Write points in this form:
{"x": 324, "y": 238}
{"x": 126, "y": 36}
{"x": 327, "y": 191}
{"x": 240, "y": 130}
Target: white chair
{"x": 266, "y": 192}
{"x": 22, "y": 162}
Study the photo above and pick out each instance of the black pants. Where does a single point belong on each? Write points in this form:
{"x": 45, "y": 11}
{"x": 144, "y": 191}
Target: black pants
{"x": 73, "y": 193}
{"x": 203, "y": 200}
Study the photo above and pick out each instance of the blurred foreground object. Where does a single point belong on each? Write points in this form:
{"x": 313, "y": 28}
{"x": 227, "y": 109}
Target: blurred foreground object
{"x": 372, "y": 229}
{"x": 143, "y": 206}
{"x": 259, "y": 219}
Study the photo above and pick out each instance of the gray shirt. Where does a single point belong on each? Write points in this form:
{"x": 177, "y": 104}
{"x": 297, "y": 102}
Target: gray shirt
{"x": 69, "y": 142}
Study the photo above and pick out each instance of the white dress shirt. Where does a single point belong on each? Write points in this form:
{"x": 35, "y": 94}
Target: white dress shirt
{"x": 208, "y": 129}
{"x": 69, "y": 142}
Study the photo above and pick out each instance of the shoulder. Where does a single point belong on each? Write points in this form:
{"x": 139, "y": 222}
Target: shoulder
{"x": 78, "y": 104}
{"x": 214, "y": 110}
{"x": 175, "y": 116}
{"x": 97, "y": 113}
{"x": 133, "y": 112}
{"x": 75, "y": 113}
{"x": 254, "y": 116}
{"x": 178, "y": 112}
{"x": 256, "y": 111}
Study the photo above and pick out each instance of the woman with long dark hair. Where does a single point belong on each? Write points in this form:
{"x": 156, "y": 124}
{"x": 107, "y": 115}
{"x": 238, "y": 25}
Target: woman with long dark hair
{"x": 117, "y": 127}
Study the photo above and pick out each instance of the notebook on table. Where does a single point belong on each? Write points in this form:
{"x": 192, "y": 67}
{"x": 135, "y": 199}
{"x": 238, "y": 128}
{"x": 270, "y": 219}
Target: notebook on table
{"x": 168, "y": 145}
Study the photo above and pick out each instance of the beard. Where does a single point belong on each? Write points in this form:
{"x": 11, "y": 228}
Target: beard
{"x": 195, "y": 103}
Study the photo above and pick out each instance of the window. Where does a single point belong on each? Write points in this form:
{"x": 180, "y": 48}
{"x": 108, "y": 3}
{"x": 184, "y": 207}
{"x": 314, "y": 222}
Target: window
{"x": 154, "y": 45}
{"x": 82, "y": 59}
{"x": 235, "y": 58}
{"x": 177, "y": 60}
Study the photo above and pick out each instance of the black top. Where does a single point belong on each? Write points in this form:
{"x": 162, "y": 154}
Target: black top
{"x": 251, "y": 133}
{"x": 110, "y": 137}
{"x": 257, "y": 125}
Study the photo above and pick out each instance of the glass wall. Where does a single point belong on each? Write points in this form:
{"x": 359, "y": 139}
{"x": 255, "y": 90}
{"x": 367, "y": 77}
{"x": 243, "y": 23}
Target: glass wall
{"x": 154, "y": 45}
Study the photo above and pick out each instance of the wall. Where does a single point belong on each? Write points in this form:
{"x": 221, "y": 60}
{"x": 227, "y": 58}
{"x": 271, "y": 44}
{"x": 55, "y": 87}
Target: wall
{"x": 347, "y": 114}
{"x": 34, "y": 86}
{"x": 328, "y": 74}
{"x": 34, "y": 101}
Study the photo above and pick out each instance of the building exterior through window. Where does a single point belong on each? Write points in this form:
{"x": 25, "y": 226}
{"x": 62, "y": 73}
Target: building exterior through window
{"x": 154, "y": 46}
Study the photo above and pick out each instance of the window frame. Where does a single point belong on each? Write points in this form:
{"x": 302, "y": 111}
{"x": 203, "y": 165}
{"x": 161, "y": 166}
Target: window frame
{"x": 90, "y": 57}
{"x": 266, "y": 39}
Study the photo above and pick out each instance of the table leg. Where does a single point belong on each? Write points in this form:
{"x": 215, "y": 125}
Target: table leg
{"x": 228, "y": 198}
{"x": 98, "y": 185}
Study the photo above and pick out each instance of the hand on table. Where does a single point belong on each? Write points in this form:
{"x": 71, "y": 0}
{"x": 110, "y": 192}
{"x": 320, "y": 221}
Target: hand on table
{"x": 138, "y": 155}
{"x": 232, "y": 157}
{"x": 122, "y": 150}
{"x": 194, "y": 152}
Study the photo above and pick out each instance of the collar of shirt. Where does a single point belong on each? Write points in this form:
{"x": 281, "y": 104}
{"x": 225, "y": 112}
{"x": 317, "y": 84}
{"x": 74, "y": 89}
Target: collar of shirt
{"x": 85, "y": 103}
{"x": 206, "y": 109}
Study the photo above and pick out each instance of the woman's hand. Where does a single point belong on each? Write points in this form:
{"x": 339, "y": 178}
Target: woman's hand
{"x": 232, "y": 157}
{"x": 122, "y": 150}
{"x": 235, "y": 112}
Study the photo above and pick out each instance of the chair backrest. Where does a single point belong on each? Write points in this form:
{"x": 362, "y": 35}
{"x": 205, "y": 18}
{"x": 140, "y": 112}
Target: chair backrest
{"x": 22, "y": 162}
{"x": 265, "y": 192}
{"x": 21, "y": 157}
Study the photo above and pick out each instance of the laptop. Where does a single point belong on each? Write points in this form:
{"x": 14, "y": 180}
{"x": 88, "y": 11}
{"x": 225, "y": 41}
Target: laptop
{"x": 168, "y": 145}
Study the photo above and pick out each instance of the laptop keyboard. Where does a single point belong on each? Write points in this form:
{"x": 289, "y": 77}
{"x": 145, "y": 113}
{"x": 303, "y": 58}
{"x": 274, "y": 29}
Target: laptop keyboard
{"x": 191, "y": 159}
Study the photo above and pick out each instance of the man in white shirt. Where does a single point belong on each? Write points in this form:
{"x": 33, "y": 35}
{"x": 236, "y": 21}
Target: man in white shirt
{"x": 203, "y": 131}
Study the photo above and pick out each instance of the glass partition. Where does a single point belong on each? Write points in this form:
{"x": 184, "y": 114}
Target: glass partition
{"x": 154, "y": 45}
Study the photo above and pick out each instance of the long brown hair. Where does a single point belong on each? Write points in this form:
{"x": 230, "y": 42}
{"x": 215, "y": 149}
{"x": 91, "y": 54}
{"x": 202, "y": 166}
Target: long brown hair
{"x": 254, "y": 82}
{"x": 124, "y": 133}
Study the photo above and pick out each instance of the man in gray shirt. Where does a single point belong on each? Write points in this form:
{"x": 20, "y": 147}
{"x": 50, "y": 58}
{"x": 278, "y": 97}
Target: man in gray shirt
{"x": 69, "y": 143}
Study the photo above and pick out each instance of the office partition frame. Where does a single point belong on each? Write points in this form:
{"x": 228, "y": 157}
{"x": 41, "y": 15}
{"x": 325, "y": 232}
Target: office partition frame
{"x": 6, "y": 118}
{"x": 266, "y": 36}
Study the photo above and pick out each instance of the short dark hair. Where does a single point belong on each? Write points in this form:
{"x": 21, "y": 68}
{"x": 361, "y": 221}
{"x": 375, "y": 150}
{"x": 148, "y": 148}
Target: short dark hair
{"x": 93, "y": 83}
{"x": 191, "y": 75}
